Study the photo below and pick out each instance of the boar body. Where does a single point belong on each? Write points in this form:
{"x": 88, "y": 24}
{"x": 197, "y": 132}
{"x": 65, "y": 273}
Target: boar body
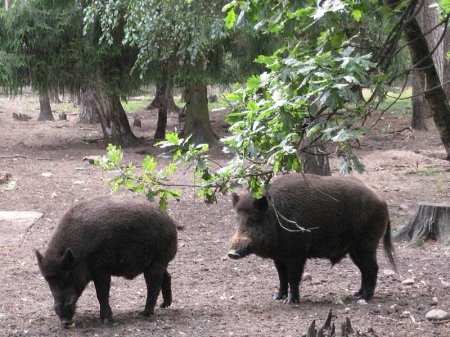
{"x": 107, "y": 236}
{"x": 343, "y": 217}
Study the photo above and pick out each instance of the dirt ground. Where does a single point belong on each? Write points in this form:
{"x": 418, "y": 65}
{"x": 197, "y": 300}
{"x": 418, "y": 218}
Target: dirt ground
{"x": 213, "y": 295}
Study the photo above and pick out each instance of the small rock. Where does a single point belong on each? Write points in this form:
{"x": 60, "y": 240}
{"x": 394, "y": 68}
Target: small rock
{"x": 445, "y": 284}
{"x": 137, "y": 122}
{"x": 62, "y": 116}
{"x": 406, "y": 313}
{"x": 362, "y": 302}
{"x": 5, "y": 177}
{"x": 306, "y": 277}
{"x": 347, "y": 309}
{"x": 389, "y": 272}
{"x": 403, "y": 207}
{"x": 2, "y": 316}
{"x": 408, "y": 282}
{"x": 435, "y": 300}
{"x": 437, "y": 315}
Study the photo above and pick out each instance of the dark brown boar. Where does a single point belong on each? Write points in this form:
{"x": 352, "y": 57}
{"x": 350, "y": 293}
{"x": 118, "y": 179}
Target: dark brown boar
{"x": 341, "y": 215}
{"x": 110, "y": 235}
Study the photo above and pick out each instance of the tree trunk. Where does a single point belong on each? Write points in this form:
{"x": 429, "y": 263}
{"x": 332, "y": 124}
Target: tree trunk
{"x": 45, "y": 113}
{"x": 434, "y": 93}
{"x": 54, "y": 95}
{"x": 428, "y": 18}
{"x": 164, "y": 92}
{"x": 89, "y": 113}
{"x": 420, "y": 108}
{"x": 432, "y": 221}
{"x": 197, "y": 122}
{"x": 114, "y": 121}
{"x": 314, "y": 157}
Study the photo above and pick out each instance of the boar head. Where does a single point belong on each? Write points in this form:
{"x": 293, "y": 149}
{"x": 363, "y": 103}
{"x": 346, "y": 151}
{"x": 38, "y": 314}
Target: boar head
{"x": 255, "y": 234}
{"x": 64, "y": 283}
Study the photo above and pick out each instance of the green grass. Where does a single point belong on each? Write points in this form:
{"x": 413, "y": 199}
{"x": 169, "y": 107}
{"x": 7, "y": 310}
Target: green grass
{"x": 400, "y": 105}
{"x": 135, "y": 104}
{"x": 220, "y": 104}
{"x": 427, "y": 171}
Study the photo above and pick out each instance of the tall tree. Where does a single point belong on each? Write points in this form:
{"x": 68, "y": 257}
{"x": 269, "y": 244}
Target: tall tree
{"x": 422, "y": 59}
{"x": 189, "y": 34}
{"x": 428, "y": 18}
{"x": 48, "y": 50}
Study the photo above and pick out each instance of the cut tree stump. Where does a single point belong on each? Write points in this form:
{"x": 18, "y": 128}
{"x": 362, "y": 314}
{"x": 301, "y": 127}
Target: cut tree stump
{"x": 329, "y": 329}
{"x": 431, "y": 222}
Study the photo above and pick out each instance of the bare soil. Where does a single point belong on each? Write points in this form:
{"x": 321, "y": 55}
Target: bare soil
{"x": 213, "y": 295}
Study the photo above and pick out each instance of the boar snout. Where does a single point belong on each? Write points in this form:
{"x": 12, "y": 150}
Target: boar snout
{"x": 232, "y": 254}
{"x": 240, "y": 246}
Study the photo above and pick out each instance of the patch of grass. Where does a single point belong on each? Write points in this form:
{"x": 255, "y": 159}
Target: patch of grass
{"x": 135, "y": 104}
{"x": 400, "y": 105}
{"x": 401, "y": 176}
{"x": 32, "y": 106}
{"x": 67, "y": 107}
{"x": 220, "y": 104}
{"x": 427, "y": 171}
{"x": 338, "y": 301}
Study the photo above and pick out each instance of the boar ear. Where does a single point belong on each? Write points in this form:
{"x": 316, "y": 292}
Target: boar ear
{"x": 235, "y": 199}
{"x": 67, "y": 259}
{"x": 261, "y": 204}
{"x": 39, "y": 257}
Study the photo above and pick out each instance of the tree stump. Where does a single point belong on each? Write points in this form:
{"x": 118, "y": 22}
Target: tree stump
{"x": 431, "y": 222}
{"x": 329, "y": 329}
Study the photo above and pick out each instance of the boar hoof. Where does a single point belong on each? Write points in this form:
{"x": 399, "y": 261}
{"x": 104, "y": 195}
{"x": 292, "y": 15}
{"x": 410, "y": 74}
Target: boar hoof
{"x": 278, "y": 297}
{"x": 294, "y": 299}
{"x": 147, "y": 313}
{"x": 165, "y": 304}
{"x": 364, "y": 294}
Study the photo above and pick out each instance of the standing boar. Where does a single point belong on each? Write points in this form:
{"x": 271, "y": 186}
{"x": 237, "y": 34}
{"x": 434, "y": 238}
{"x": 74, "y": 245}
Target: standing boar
{"x": 341, "y": 216}
{"x": 106, "y": 236}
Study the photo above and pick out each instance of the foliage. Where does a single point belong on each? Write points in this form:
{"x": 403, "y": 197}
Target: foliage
{"x": 38, "y": 45}
{"x": 175, "y": 33}
{"x": 42, "y": 45}
{"x": 310, "y": 87}
{"x": 153, "y": 182}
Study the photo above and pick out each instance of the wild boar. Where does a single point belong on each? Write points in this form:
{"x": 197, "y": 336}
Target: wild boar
{"x": 340, "y": 215}
{"x": 109, "y": 235}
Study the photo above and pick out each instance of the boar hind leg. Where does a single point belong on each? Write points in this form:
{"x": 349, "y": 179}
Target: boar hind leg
{"x": 366, "y": 261}
{"x": 153, "y": 278}
{"x": 283, "y": 277}
{"x": 166, "y": 290}
{"x": 294, "y": 272}
{"x": 102, "y": 284}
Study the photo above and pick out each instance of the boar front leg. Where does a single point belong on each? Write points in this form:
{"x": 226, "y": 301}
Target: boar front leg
{"x": 102, "y": 284}
{"x": 294, "y": 272}
{"x": 283, "y": 277}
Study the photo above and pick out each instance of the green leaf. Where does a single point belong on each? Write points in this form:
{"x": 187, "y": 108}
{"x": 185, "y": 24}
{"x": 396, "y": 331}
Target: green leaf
{"x": 230, "y": 18}
{"x": 149, "y": 164}
{"x": 254, "y": 82}
{"x": 357, "y": 14}
{"x": 172, "y": 137}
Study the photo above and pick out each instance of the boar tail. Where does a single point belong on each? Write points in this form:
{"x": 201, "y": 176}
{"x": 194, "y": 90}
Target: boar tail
{"x": 388, "y": 246}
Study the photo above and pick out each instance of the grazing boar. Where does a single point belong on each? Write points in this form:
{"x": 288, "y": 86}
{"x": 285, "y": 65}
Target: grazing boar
{"x": 340, "y": 215}
{"x": 110, "y": 235}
